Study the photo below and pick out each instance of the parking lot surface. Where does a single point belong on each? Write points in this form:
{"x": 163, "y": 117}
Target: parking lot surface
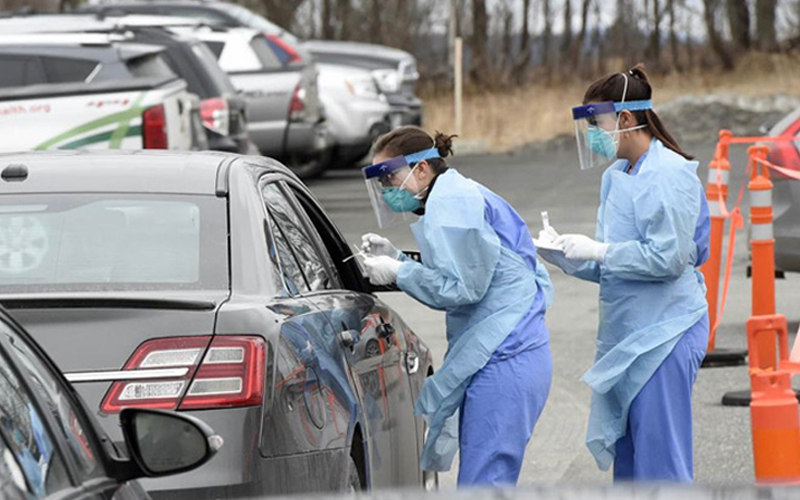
{"x": 551, "y": 180}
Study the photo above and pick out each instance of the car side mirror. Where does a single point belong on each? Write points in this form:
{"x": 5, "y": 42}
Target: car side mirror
{"x": 162, "y": 443}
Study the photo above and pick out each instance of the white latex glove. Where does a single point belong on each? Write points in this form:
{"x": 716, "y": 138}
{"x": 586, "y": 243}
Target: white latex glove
{"x": 376, "y": 245}
{"x": 382, "y": 270}
{"x": 580, "y": 247}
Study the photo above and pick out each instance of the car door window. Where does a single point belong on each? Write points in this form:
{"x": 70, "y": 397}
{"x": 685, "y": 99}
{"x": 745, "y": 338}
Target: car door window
{"x": 296, "y": 237}
{"x": 29, "y": 454}
{"x": 283, "y": 257}
{"x": 68, "y": 418}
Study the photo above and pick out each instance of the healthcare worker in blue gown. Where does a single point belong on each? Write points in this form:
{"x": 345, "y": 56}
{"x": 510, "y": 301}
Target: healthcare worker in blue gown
{"x": 652, "y": 234}
{"x": 479, "y": 265}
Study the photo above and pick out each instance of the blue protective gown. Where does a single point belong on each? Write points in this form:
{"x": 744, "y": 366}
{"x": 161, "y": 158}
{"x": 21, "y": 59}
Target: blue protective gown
{"x": 653, "y": 316}
{"x": 480, "y": 267}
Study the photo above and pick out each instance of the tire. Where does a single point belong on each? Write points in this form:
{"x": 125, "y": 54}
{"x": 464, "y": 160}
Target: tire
{"x": 353, "y": 478}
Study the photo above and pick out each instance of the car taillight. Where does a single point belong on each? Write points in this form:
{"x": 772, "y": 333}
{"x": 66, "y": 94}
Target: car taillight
{"x": 283, "y": 50}
{"x": 218, "y": 372}
{"x": 154, "y": 128}
{"x": 297, "y": 107}
{"x": 215, "y": 115}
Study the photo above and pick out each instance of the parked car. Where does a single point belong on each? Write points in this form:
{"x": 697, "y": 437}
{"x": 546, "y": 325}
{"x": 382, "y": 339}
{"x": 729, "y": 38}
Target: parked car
{"x": 786, "y": 194}
{"x": 395, "y": 72}
{"x": 66, "y": 91}
{"x": 214, "y": 285}
{"x": 357, "y": 111}
{"x": 286, "y": 117}
{"x": 278, "y": 80}
{"x": 51, "y": 447}
{"x": 222, "y": 111}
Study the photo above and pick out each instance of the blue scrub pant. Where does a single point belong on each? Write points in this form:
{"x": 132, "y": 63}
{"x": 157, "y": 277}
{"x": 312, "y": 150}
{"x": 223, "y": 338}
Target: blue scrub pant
{"x": 500, "y": 409}
{"x": 657, "y": 445}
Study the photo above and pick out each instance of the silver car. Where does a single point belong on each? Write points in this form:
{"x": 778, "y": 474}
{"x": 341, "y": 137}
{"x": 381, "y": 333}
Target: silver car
{"x": 285, "y": 116}
{"x": 357, "y": 111}
{"x": 394, "y": 70}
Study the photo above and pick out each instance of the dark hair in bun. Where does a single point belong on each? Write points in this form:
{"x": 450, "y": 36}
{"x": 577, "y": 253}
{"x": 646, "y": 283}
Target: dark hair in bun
{"x": 410, "y": 139}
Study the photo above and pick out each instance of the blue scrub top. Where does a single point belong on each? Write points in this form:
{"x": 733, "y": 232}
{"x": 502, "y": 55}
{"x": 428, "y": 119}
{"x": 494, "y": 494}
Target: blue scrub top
{"x": 531, "y": 331}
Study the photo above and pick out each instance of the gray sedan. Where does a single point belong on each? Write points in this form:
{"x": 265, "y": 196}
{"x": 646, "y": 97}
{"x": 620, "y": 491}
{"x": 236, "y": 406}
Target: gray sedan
{"x": 215, "y": 285}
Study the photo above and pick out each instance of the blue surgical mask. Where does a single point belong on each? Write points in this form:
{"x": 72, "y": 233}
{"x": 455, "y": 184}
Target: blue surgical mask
{"x": 400, "y": 200}
{"x": 601, "y": 142}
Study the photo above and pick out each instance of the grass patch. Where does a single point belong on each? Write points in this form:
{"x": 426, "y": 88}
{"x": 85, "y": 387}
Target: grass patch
{"x": 509, "y": 118}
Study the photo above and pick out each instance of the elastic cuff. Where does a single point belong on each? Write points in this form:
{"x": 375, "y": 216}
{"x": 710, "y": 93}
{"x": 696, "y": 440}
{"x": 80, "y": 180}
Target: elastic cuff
{"x": 602, "y": 250}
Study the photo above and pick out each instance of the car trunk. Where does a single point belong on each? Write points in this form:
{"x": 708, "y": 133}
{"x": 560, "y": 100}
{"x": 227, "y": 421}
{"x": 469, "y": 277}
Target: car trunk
{"x": 85, "y": 334}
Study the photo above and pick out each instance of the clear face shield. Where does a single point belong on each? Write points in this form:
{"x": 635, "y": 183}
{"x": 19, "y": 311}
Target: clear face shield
{"x": 387, "y": 187}
{"x": 597, "y": 130}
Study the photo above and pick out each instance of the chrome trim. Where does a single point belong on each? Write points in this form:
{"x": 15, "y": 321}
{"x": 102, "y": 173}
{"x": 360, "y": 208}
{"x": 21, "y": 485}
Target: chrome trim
{"x": 116, "y": 376}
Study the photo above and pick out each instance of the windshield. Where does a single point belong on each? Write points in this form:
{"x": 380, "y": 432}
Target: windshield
{"x": 83, "y": 242}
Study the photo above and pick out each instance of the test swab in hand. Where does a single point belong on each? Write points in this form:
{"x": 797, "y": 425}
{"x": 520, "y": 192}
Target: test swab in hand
{"x": 358, "y": 252}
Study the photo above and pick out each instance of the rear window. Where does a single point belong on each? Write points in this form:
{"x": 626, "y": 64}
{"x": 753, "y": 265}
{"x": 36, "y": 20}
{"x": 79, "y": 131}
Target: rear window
{"x": 80, "y": 242}
{"x": 212, "y": 68}
{"x": 63, "y": 70}
{"x": 149, "y": 66}
{"x": 20, "y": 71}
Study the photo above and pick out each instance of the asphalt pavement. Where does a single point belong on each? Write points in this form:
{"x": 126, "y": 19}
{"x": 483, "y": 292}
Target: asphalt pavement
{"x": 534, "y": 181}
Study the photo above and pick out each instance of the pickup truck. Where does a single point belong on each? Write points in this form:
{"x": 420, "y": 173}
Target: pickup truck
{"x": 69, "y": 91}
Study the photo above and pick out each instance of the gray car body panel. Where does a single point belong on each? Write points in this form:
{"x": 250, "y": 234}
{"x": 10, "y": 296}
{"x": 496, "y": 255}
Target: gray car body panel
{"x": 320, "y": 395}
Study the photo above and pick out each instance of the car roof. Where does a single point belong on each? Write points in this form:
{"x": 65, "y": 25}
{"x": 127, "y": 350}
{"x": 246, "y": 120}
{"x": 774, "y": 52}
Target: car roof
{"x": 115, "y": 171}
{"x": 29, "y": 38}
{"x": 76, "y": 23}
{"x": 25, "y": 45}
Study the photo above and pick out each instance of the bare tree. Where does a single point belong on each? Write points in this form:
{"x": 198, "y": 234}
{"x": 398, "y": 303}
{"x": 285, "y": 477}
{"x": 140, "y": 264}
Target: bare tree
{"x": 714, "y": 38}
{"x": 375, "y": 21}
{"x": 344, "y": 14}
{"x": 281, "y": 12}
{"x": 328, "y": 22}
{"x": 739, "y": 22}
{"x": 479, "y": 40}
{"x": 654, "y": 48}
{"x": 578, "y": 50}
{"x": 524, "y": 55}
{"x": 566, "y": 41}
{"x": 674, "y": 46}
{"x": 547, "y": 34}
{"x": 765, "y": 25}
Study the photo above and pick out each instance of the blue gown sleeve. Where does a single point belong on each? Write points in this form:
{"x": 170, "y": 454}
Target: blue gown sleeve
{"x": 590, "y": 271}
{"x": 665, "y": 214}
{"x": 464, "y": 254}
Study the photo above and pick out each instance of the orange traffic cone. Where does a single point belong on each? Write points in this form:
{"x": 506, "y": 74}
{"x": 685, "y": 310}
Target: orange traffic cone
{"x": 776, "y": 428}
{"x": 774, "y": 414}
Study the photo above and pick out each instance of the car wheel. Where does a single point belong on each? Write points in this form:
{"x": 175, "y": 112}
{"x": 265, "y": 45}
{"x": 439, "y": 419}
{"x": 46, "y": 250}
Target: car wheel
{"x": 353, "y": 478}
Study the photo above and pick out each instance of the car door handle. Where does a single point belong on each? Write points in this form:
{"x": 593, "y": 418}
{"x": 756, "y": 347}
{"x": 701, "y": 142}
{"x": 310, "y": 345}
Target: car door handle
{"x": 412, "y": 363}
{"x": 347, "y": 339}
